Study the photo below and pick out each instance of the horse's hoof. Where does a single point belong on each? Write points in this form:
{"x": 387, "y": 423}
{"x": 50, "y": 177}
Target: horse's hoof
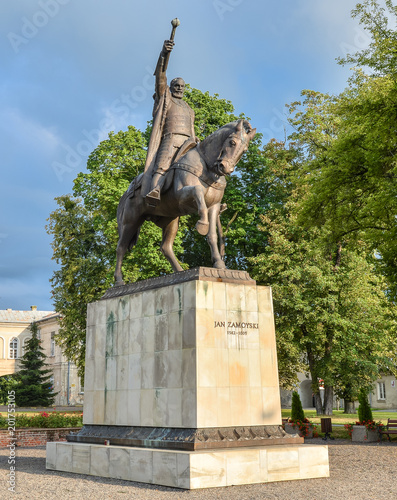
{"x": 119, "y": 283}
{"x": 202, "y": 228}
{"x": 219, "y": 265}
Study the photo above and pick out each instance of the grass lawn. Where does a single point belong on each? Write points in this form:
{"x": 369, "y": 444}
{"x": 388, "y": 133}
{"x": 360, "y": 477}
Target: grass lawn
{"x": 338, "y": 417}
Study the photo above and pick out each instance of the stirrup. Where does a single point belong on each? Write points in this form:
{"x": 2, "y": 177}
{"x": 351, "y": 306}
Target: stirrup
{"x": 153, "y": 198}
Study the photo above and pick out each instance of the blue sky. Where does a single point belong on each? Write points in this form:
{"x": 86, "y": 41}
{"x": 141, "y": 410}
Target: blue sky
{"x": 73, "y": 70}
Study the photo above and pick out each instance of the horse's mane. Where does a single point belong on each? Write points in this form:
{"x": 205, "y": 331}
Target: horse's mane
{"x": 224, "y": 132}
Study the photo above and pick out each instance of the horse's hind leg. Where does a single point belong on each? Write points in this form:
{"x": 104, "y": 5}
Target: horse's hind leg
{"x": 120, "y": 252}
{"x": 212, "y": 237}
{"x": 170, "y": 228}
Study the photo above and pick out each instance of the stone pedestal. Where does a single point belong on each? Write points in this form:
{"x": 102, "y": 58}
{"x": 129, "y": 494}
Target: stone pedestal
{"x": 181, "y": 379}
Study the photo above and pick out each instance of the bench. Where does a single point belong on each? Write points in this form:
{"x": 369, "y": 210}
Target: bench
{"x": 391, "y": 427}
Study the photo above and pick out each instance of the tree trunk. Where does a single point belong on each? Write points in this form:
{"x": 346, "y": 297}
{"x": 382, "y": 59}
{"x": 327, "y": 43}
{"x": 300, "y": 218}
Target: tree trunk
{"x": 315, "y": 386}
{"x": 328, "y": 399}
{"x": 349, "y": 406}
{"x": 318, "y": 403}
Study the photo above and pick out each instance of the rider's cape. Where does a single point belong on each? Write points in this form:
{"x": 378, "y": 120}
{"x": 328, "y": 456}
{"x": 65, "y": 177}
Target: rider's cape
{"x": 159, "y": 110}
{"x": 159, "y": 114}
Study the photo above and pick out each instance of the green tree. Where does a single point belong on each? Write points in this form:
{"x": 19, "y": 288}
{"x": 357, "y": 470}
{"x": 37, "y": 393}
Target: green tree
{"x": 82, "y": 275}
{"x": 34, "y": 387}
{"x": 329, "y": 304}
{"x": 380, "y": 57}
{"x": 350, "y": 146}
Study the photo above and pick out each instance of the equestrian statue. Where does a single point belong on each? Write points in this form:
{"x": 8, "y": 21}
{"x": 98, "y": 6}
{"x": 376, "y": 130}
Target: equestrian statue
{"x": 182, "y": 175}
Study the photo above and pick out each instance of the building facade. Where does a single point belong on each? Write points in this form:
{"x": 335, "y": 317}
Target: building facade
{"x": 382, "y": 396}
{"x": 14, "y": 333}
{"x": 384, "y": 393}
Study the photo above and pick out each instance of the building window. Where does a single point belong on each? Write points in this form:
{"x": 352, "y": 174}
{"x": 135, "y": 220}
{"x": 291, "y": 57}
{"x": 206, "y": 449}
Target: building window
{"x": 39, "y": 333}
{"x": 14, "y": 348}
{"x": 381, "y": 390}
{"x": 52, "y": 344}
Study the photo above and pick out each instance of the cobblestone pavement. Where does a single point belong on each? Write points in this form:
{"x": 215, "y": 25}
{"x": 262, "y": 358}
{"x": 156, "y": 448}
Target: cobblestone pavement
{"x": 358, "y": 471}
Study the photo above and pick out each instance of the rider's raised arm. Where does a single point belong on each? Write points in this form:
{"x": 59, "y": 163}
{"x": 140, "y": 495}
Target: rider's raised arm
{"x": 160, "y": 73}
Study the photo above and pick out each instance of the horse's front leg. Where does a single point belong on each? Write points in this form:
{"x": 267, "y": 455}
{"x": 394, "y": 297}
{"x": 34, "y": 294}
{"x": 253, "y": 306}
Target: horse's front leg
{"x": 194, "y": 195}
{"x": 213, "y": 214}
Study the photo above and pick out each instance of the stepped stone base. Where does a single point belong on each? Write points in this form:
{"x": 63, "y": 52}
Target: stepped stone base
{"x": 184, "y": 439}
{"x": 191, "y": 469}
{"x": 181, "y": 387}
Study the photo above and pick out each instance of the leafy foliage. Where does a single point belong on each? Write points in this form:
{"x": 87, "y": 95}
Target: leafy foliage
{"x": 380, "y": 56}
{"x": 331, "y": 258}
{"x": 349, "y": 145}
{"x": 7, "y": 383}
{"x": 329, "y": 304}
{"x": 45, "y": 420}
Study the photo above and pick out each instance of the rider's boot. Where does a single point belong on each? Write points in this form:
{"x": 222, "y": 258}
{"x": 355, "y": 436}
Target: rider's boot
{"x": 153, "y": 197}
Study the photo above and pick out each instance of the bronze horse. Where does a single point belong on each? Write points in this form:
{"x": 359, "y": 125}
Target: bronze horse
{"x": 195, "y": 183}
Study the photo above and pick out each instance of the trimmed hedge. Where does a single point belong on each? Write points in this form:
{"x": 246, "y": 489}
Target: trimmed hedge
{"x": 43, "y": 420}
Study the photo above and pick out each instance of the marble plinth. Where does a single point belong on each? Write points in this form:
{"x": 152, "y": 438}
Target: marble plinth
{"x": 191, "y": 470}
{"x": 196, "y": 354}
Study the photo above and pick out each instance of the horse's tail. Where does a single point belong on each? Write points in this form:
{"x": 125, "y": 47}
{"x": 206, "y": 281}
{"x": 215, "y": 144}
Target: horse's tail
{"x": 120, "y": 210}
{"x": 130, "y": 193}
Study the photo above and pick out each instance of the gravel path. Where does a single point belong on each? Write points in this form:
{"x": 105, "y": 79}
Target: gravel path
{"x": 358, "y": 471}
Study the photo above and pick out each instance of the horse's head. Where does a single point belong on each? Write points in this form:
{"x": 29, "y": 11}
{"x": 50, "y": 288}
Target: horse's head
{"x": 234, "y": 146}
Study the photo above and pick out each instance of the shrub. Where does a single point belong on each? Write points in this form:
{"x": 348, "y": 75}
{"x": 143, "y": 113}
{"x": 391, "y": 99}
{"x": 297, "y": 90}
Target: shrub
{"x": 364, "y": 410}
{"x": 297, "y": 413}
{"x": 45, "y": 420}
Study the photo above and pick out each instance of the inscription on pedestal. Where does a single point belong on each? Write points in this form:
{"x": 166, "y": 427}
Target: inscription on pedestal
{"x": 236, "y": 328}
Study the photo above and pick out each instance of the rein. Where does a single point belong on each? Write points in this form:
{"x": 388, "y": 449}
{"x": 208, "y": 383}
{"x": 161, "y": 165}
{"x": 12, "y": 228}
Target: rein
{"x": 198, "y": 172}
